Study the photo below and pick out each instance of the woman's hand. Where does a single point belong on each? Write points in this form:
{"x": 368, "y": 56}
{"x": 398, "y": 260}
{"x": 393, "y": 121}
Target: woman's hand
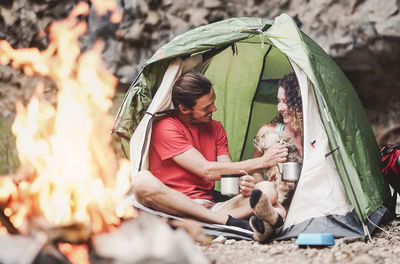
{"x": 246, "y": 183}
{"x": 272, "y": 176}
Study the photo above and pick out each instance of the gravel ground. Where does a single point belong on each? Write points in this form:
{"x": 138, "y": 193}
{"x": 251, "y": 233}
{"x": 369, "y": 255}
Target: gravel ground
{"x": 384, "y": 248}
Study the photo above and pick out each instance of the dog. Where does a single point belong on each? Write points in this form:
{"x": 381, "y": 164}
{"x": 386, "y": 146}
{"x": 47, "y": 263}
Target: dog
{"x": 264, "y": 142}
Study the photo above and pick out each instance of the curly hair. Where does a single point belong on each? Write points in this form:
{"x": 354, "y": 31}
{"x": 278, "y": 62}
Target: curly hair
{"x": 293, "y": 100}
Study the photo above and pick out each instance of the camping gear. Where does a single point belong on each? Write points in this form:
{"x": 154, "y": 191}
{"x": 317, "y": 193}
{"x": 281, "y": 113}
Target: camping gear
{"x": 290, "y": 171}
{"x": 342, "y": 193}
{"x": 315, "y": 239}
{"x": 230, "y": 184}
{"x": 391, "y": 165}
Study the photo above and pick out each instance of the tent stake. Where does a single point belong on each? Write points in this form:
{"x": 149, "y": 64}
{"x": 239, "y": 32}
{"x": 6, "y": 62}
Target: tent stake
{"x": 366, "y": 232}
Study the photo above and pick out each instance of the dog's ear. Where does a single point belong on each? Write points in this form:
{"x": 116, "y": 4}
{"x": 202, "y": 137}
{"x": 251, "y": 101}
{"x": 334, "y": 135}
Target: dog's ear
{"x": 257, "y": 143}
{"x": 287, "y": 139}
{"x": 291, "y": 147}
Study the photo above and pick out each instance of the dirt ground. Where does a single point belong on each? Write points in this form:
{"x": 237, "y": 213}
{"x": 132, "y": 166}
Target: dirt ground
{"x": 383, "y": 248}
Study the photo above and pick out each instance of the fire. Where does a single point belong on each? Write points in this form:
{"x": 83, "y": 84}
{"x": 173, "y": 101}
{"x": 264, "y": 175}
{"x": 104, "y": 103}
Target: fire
{"x": 69, "y": 173}
{"x": 3, "y": 230}
{"x": 77, "y": 254}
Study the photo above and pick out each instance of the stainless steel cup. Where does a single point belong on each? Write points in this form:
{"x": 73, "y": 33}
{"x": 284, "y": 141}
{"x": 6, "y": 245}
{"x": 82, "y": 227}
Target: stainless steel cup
{"x": 230, "y": 184}
{"x": 290, "y": 171}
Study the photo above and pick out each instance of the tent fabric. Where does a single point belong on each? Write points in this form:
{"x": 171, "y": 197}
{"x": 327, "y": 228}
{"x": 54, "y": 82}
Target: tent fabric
{"x": 209, "y": 36}
{"x": 358, "y": 153}
{"x": 139, "y": 142}
{"x": 347, "y": 225}
{"x": 333, "y": 115}
{"x": 319, "y": 190}
{"x": 230, "y": 232}
{"x": 235, "y": 87}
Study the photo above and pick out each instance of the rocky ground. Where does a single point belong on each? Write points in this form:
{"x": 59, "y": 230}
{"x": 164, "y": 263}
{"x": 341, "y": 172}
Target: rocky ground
{"x": 383, "y": 248}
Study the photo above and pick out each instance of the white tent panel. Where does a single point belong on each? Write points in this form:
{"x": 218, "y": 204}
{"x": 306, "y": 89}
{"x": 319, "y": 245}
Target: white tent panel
{"x": 139, "y": 147}
{"x": 320, "y": 191}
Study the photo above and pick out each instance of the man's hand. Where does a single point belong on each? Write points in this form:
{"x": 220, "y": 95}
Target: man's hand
{"x": 277, "y": 153}
{"x": 246, "y": 184}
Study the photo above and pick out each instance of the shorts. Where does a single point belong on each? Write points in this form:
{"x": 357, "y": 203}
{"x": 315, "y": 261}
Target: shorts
{"x": 219, "y": 199}
{"x": 210, "y": 205}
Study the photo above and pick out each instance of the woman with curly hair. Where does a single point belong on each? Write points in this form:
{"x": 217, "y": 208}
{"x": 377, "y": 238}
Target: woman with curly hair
{"x": 289, "y": 120}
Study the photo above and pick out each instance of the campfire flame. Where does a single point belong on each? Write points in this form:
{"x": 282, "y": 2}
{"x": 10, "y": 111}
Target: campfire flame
{"x": 75, "y": 253}
{"x": 69, "y": 173}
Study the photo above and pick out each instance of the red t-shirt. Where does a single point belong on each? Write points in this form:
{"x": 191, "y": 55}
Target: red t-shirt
{"x": 171, "y": 137}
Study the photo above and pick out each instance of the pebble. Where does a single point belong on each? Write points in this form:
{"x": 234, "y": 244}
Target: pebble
{"x": 220, "y": 240}
{"x": 363, "y": 259}
{"x": 231, "y": 242}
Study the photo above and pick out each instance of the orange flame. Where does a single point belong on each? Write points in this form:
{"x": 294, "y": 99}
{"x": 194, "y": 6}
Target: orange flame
{"x": 76, "y": 254}
{"x": 3, "y": 230}
{"x": 69, "y": 173}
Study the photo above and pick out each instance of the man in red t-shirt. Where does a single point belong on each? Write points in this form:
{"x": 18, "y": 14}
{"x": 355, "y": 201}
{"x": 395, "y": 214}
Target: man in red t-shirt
{"x": 189, "y": 152}
{"x": 170, "y": 138}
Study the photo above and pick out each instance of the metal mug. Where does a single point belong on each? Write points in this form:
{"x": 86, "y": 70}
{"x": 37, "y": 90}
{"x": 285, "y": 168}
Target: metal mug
{"x": 290, "y": 171}
{"x": 230, "y": 184}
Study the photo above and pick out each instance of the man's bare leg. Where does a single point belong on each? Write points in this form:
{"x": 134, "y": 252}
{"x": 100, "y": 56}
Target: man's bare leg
{"x": 239, "y": 206}
{"x": 151, "y": 192}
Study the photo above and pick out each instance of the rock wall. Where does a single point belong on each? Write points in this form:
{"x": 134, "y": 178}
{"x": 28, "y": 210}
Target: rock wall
{"x": 362, "y": 36}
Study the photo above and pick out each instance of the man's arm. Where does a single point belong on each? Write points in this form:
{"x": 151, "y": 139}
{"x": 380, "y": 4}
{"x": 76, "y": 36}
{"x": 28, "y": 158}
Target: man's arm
{"x": 193, "y": 161}
{"x": 224, "y": 158}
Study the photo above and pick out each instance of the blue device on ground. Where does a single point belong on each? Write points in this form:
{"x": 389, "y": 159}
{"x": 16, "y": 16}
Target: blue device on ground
{"x": 315, "y": 239}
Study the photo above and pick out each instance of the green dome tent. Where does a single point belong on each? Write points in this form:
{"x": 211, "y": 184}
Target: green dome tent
{"x": 341, "y": 189}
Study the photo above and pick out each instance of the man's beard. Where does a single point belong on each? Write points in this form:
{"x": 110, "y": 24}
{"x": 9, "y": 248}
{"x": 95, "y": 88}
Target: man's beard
{"x": 196, "y": 121}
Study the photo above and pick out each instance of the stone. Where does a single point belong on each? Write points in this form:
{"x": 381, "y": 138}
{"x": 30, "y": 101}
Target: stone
{"x": 230, "y": 242}
{"x": 153, "y": 18}
{"x": 363, "y": 259}
{"x": 219, "y": 240}
{"x": 359, "y": 247}
{"x": 212, "y": 3}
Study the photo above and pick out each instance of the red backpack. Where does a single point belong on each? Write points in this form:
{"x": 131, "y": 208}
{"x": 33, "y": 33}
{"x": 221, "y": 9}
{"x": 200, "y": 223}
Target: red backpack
{"x": 391, "y": 165}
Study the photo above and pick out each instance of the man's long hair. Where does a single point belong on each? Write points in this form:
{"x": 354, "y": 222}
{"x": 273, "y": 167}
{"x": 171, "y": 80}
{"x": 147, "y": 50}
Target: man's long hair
{"x": 189, "y": 87}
